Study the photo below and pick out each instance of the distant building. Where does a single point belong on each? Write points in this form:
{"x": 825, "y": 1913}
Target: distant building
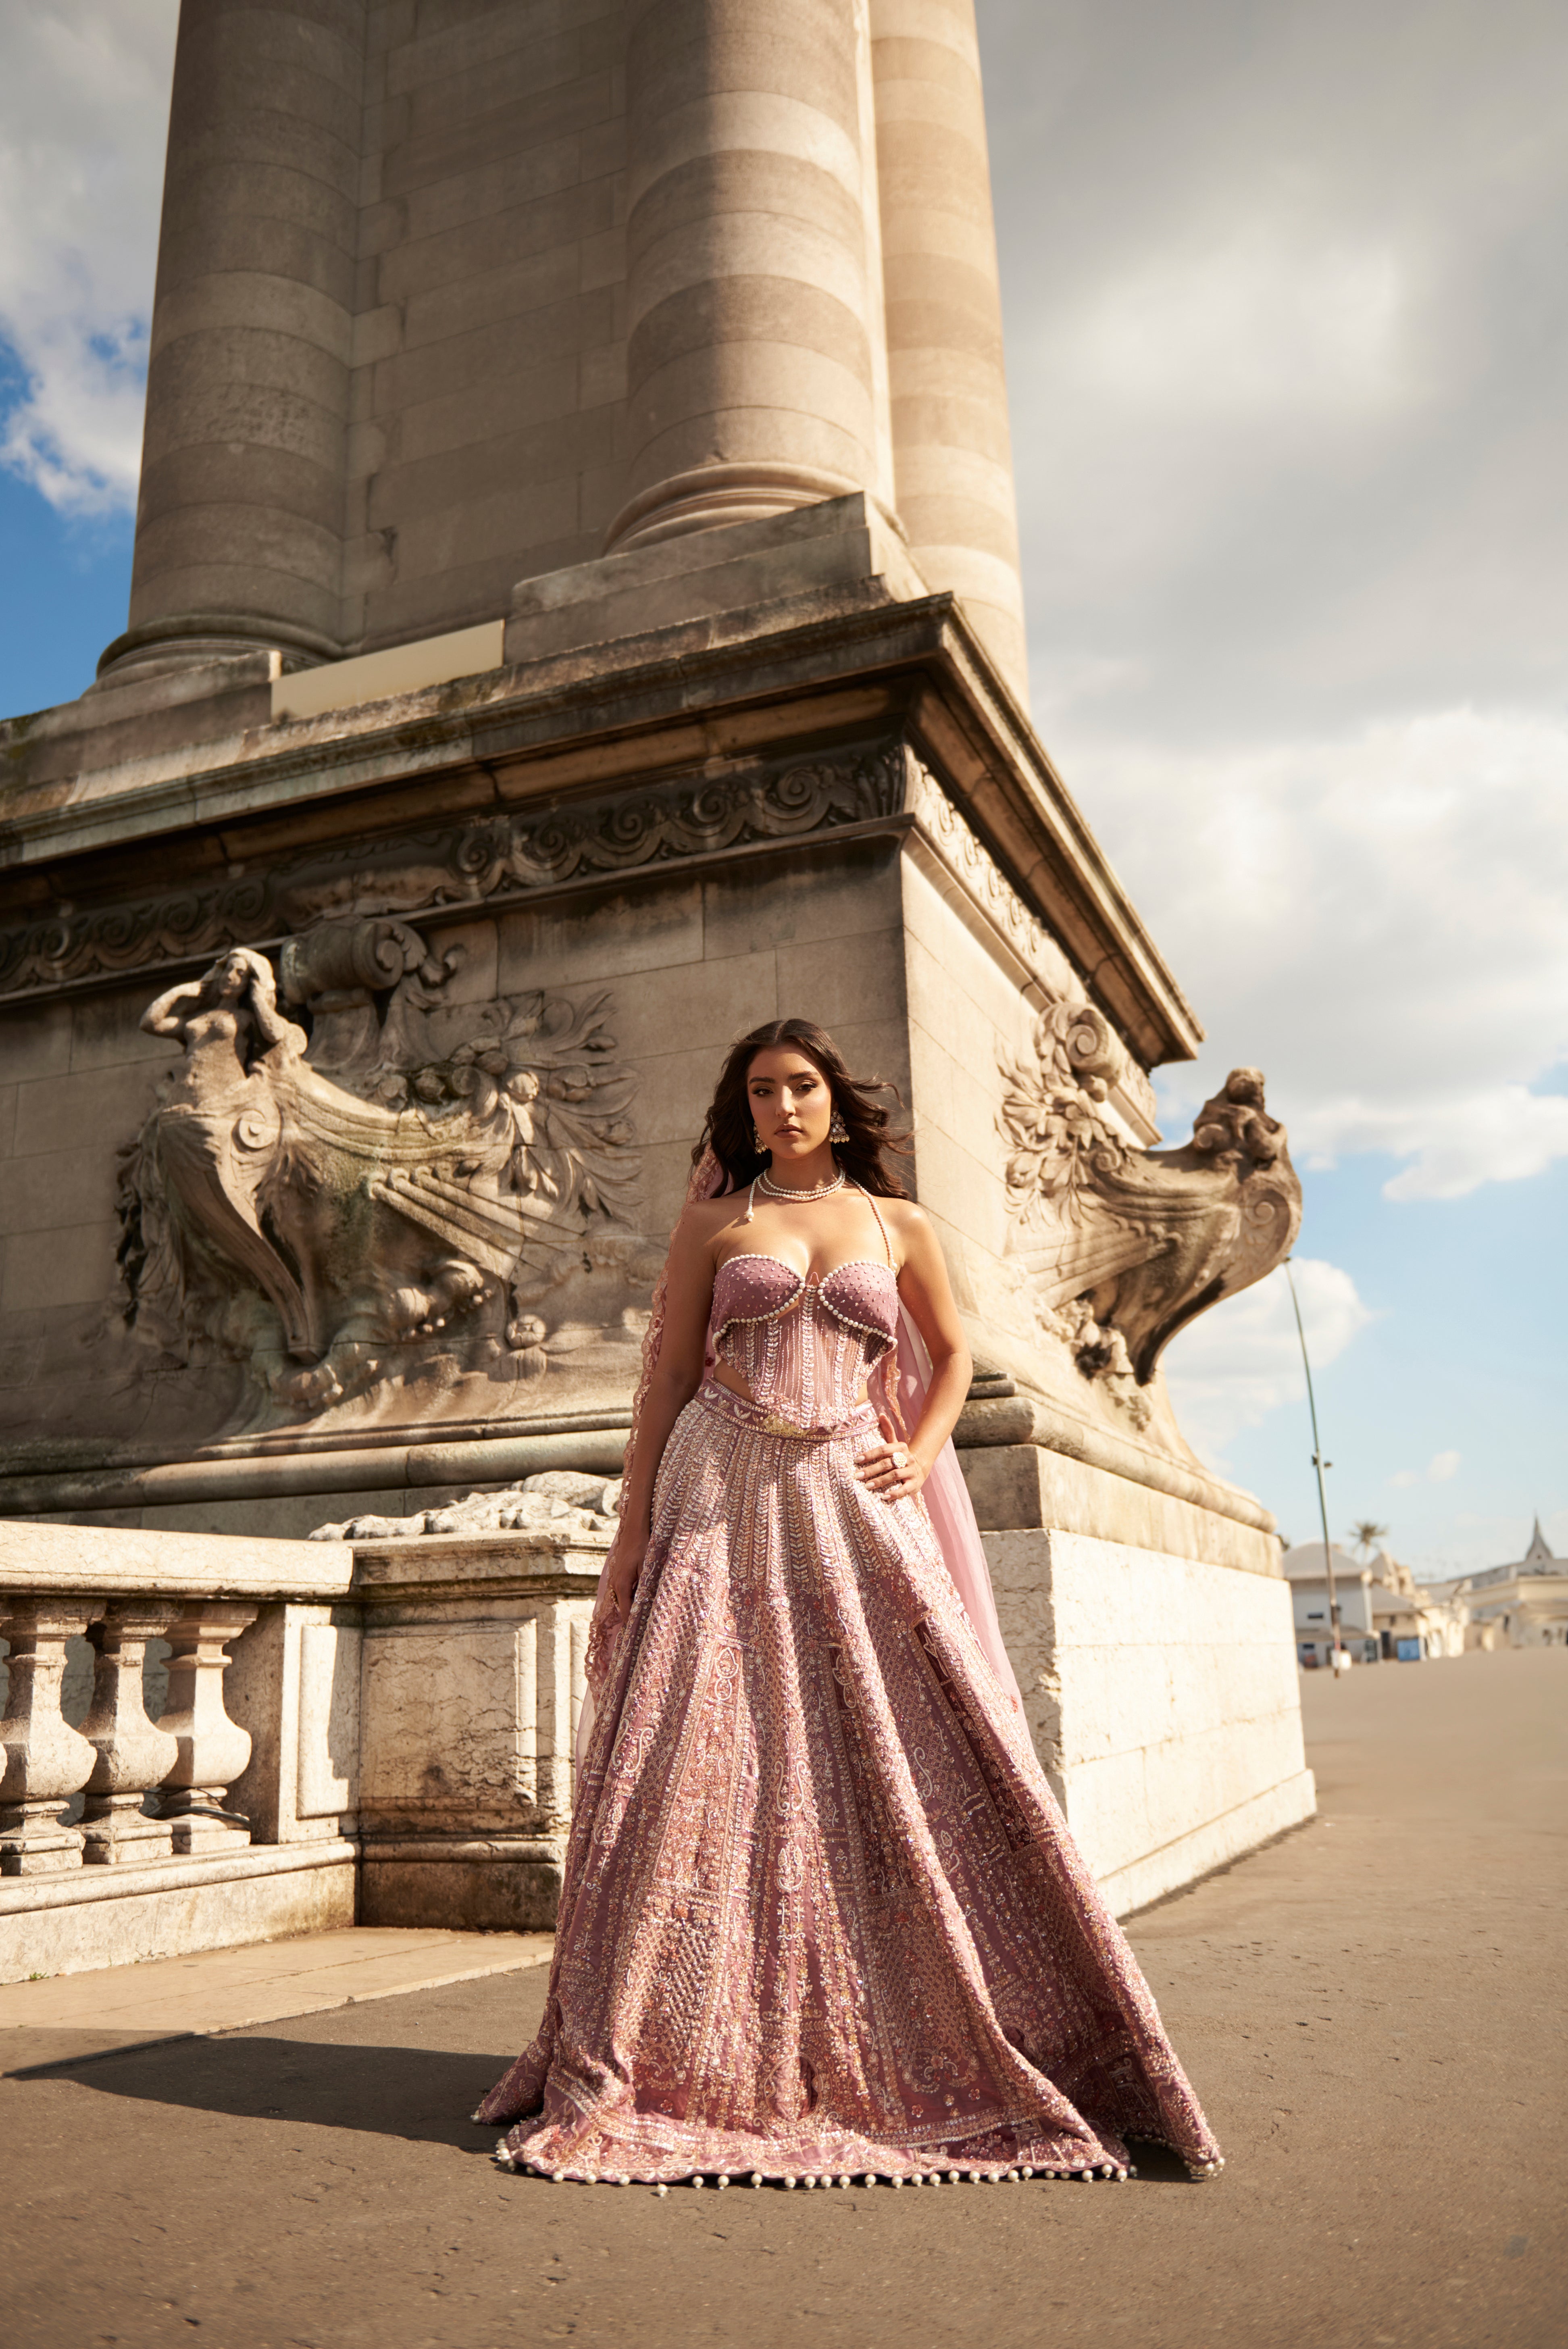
{"x": 1520, "y": 1606}
{"x": 1384, "y": 1617}
{"x": 1304, "y": 1570}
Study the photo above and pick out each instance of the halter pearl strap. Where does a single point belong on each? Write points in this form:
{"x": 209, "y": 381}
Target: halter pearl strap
{"x": 881, "y": 1225}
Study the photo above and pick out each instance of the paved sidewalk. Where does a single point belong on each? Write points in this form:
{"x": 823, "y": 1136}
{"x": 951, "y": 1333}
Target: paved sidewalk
{"x": 1372, "y": 2010}
{"x": 66, "y": 2018}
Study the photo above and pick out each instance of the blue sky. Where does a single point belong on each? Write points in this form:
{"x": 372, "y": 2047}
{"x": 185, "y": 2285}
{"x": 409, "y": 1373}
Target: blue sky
{"x": 67, "y": 580}
{"x": 1287, "y": 337}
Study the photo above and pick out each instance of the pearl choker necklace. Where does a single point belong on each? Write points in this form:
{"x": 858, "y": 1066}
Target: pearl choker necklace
{"x": 784, "y": 1191}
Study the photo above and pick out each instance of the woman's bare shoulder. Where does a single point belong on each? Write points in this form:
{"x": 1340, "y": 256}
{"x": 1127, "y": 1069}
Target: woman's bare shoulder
{"x": 708, "y": 1215}
{"x": 702, "y": 1220}
{"x": 904, "y": 1217}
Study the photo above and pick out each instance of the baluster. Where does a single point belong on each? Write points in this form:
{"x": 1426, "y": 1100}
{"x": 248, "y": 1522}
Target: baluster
{"x": 47, "y": 1760}
{"x": 133, "y": 1755}
{"x": 213, "y": 1749}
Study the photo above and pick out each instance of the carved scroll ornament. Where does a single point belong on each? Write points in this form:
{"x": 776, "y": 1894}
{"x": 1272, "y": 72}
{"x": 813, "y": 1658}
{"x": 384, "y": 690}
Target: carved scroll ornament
{"x": 1123, "y": 1246}
{"x": 497, "y": 861}
{"x": 410, "y": 1192}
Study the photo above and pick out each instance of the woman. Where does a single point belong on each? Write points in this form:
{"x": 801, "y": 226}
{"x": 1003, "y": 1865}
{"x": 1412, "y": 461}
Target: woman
{"x": 820, "y": 1913}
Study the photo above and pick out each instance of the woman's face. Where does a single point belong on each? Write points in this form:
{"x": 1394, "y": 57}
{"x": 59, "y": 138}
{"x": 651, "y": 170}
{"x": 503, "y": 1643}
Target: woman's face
{"x": 233, "y": 979}
{"x": 790, "y": 1103}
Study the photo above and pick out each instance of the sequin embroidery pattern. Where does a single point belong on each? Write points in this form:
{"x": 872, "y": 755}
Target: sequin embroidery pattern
{"x": 820, "y": 1911}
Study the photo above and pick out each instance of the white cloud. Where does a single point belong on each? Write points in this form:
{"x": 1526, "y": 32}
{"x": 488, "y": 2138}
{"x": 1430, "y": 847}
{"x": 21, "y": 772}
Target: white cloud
{"x": 1440, "y": 1469}
{"x": 1277, "y": 315}
{"x": 1288, "y": 365}
{"x": 1377, "y": 920}
{"x": 1288, "y": 352}
{"x": 84, "y": 107}
{"x": 1243, "y": 1361}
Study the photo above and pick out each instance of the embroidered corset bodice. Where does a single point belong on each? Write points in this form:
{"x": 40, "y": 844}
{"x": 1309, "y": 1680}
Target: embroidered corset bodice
{"x": 804, "y": 1347}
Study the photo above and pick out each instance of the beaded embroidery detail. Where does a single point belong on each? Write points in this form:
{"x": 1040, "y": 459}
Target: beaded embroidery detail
{"x": 805, "y": 1354}
{"x": 820, "y": 1914}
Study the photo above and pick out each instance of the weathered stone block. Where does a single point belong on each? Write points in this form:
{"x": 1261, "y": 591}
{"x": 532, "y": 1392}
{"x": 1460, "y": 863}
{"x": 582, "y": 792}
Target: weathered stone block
{"x": 75, "y": 1112}
{"x": 696, "y": 1004}
{"x": 51, "y": 1188}
{"x": 618, "y": 935}
{"x": 72, "y": 1265}
{"x": 1162, "y": 1694}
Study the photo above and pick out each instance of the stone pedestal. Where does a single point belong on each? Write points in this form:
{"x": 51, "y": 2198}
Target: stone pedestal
{"x": 472, "y": 1684}
{"x": 821, "y": 801}
{"x": 357, "y": 1023}
{"x": 1163, "y": 1699}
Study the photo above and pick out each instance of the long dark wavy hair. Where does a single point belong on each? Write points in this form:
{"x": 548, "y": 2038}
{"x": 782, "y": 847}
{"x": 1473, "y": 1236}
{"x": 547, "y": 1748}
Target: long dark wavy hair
{"x": 727, "y": 1128}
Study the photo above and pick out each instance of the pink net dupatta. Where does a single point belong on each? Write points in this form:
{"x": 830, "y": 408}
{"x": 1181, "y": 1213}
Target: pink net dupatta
{"x": 952, "y": 1512}
{"x": 709, "y": 1179}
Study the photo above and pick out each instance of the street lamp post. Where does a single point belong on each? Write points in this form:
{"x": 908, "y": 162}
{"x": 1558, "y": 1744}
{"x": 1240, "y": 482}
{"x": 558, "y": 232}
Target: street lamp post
{"x": 1319, "y": 1464}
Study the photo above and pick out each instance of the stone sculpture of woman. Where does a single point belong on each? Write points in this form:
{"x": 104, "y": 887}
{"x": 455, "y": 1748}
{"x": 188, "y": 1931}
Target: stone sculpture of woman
{"x": 215, "y": 1017}
{"x": 216, "y": 1135}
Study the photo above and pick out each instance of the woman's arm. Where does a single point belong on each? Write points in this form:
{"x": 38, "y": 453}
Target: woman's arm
{"x": 161, "y": 1019}
{"x": 677, "y": 1374}
{"x": 272, "y": 1026}
{"x": 924, "y": 1286}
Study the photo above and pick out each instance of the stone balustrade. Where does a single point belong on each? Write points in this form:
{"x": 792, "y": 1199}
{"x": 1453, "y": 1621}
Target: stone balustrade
{"x": 152, "y": 1788}
{"x": 208, "y": 1740}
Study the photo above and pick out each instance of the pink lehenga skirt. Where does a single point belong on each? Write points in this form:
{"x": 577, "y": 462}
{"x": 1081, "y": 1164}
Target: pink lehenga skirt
{"x": 821, "y": 1912}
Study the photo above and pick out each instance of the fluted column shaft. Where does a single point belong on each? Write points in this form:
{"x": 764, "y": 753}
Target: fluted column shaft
{"x": 952, "y": 449}
{"x": 755, "y": 308}
{"x": 239, "y": 531}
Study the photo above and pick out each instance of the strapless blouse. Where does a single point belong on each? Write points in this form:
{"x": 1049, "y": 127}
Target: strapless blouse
{"x": 804, "y": 1347}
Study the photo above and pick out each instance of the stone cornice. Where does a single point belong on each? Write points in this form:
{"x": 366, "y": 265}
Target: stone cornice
{"x": 488, "y": 864}
{"x": 643, "y": 711}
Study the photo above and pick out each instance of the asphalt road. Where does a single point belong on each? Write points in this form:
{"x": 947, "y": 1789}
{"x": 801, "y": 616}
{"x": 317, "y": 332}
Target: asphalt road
{"x": 1372, "y": 2010}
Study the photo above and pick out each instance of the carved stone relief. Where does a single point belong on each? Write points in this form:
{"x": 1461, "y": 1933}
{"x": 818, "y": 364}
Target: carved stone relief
{"x": 979, "y": 872}
{"x": 415, "y": 1193}
{"x": 556, "y": 1501}
{"x": 499, "y": 860}
{"x": 1122, "y": 1247}
{"x": 987, "y": 886}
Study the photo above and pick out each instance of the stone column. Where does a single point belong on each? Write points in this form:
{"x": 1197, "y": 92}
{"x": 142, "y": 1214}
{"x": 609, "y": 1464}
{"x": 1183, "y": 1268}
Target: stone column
{"x": 132, "y": 1755}
{"x": 754, "y": 306}
{"x": 951, "y": 450}
{"x": 214, "y": 1750}
{"x": 45, "y": 1761}
{"x": 239, "y": 532}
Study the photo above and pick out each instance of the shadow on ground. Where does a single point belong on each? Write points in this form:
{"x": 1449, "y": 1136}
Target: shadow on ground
{"x": 415, "y": 2093}
{"x": 404, "y": 2092}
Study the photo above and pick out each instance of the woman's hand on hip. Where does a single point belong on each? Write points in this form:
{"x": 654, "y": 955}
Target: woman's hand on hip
{"x": 892, "y": 1471}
